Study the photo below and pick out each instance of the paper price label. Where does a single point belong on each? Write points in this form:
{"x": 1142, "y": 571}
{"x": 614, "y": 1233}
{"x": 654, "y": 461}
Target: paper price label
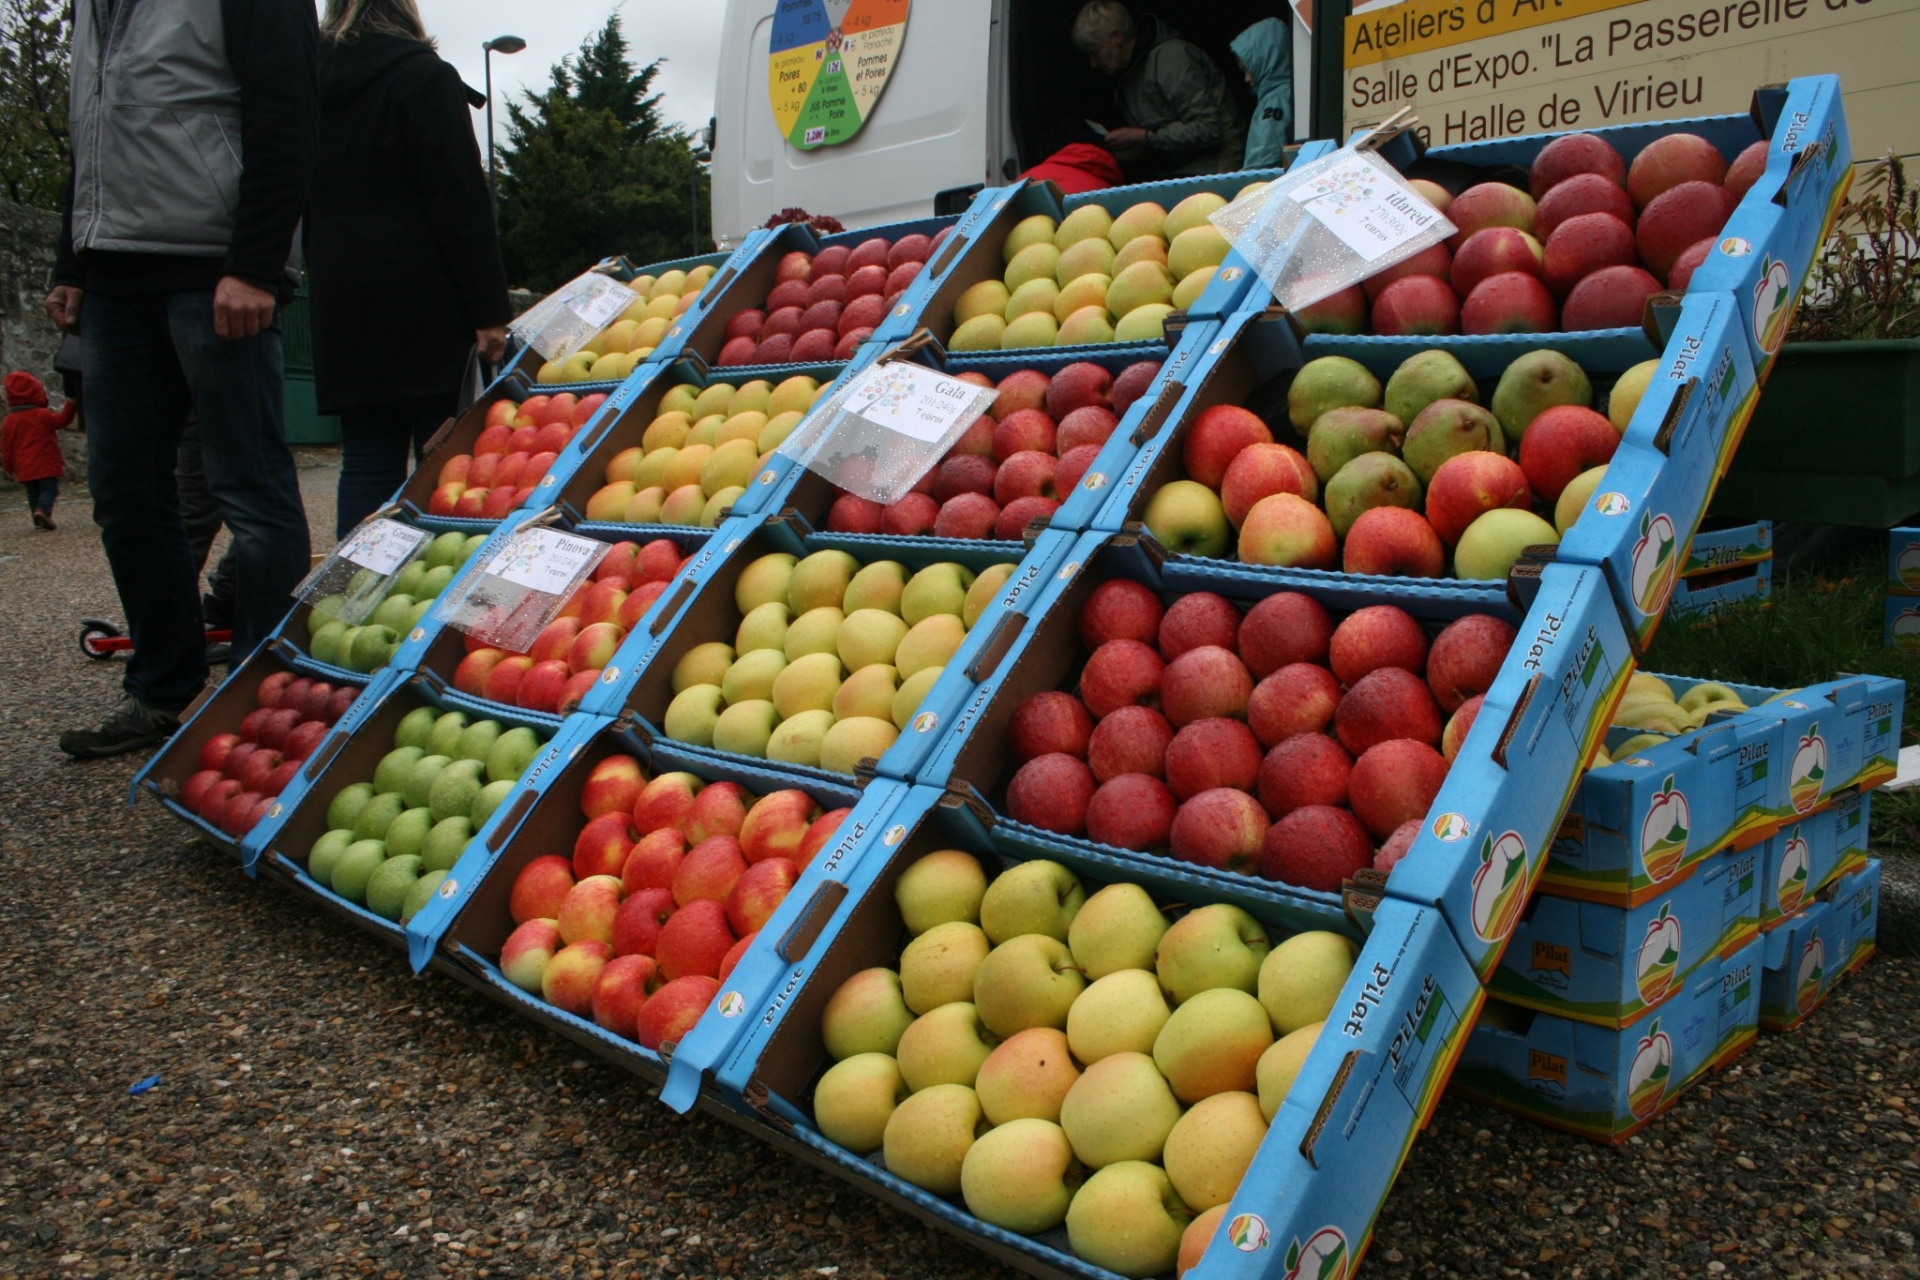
{"x": 911, "y": 400}
{"x": 1361, "y": 204}
{"x": 382, "y": 546}
{"x": 598, "y": 300}
{"x": 544, "y": 560}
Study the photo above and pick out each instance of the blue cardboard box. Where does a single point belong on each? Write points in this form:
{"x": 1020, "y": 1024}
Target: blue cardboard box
{"x": 1702, "y": 599}
{"x": 1318, "y": 1179}
{"x": 1719, "y": 545}
{"x": 1607, "y": 1083}
{"x": 1801, "y": 859}
{"x": 1808, "y": 955}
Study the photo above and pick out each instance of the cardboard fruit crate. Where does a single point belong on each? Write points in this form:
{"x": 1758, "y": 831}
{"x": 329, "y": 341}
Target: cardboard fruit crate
{"x": 461, "y": 932}
{"x": 1720, "y": 544}
{"x": 1608, "y": 1083}
{"x": 1609, "y": 965}
{"x": 701, "y": 608}
{"x": 1803, "y": 858}
{"x": 1808, "y": 955}
{"x": 350, "y": 755}
{"x": 1319, "y": 1177}
{"x": 1702, "y": 599}
{"x": 220, "y": 709}
{"x": 1736, "y": 781}
{"x": 1482, "y": 842}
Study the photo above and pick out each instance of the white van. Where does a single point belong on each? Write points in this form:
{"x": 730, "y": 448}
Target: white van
{"x": 981, "y": 90}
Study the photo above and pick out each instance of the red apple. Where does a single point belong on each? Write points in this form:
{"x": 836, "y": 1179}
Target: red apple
{"x": 1284, "y": 628}
{"x": 1223, "y": 829}
{"x": 1298, "y": 698}
{"x": 1051, "y": 792}
{"x": 1301, "y": 770}
{"x": 1132, "y": 811}
{"x": 1395, "y": 542}
{"x": 1563, "y": 442}
{"x": 1209, "y": 753}
{"x": 540, "y": 887}
{"x": 1130, "y": 740}
{"x": 1469, "y": 484}
{"x": 1216, "y": 437}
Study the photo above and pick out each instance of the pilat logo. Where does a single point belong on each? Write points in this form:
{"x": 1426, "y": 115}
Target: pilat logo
{"x": 1772, "y": 303}
{"x": 1550, "y": 1067}
{"x": 1659, "y": 960}
{"x": 732, "y": 1005}
{"x": 1655, "y": 558}
{"x": 1647, "y": 1077}
{"x": 1249, "y": 1233}
{"x": 1808, "y": 773}
{"x": 1500, "y": 885}
{"x": 1323, "y": 1256}
{"x": 1664, "y": 831}
{"x": 1796, "y": 858}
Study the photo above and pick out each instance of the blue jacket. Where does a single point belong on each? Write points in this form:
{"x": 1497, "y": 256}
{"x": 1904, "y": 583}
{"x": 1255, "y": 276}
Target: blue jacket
{"x": 1265, "y": 49}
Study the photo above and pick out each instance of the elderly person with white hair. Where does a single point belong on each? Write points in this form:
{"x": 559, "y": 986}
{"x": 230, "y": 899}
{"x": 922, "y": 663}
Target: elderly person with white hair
{"x": 1180, "y": 117}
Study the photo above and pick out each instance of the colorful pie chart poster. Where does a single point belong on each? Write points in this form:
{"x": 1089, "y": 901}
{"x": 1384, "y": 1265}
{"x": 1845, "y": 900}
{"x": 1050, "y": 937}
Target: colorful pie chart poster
{"x": 828, "y": 63}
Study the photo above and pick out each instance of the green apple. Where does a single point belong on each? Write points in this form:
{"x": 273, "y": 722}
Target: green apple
{"x": 407, "y": 834}
{"x": 745, "y": 728}
{"x": 476, "y": 740}
{"x": 420, "y": 894}
{"x": 877, "y": 586}
{"x": 1026, "y": 981}
{"x": 1020, "y": 1176}
{"x": 455, "y": 790}
{"x": 1217, "y": 945}
{"x": 446, "y": 549}
{"x": 751, "y": 677}
{"x": 419, "y": 784}
{"x": 764, "y": 627}
{"x": 815, "y": 631}
{"x": 866, "y": 1014}
{"x": 1280, "y": 1066}
{"x": 371, "y": 646}
{"x": 446, "y": 842}
{"x": 797, "y": 739}
{"x": 407, "y": 581}
{"x": 434, "y": 582}
{"x": 377, "y": 815}
{"x": 444, "y": 737}
{"x": 1118, "y": 928}
{"x": 325, "y": 643}
{"x": 324, "y": 610}
{"x": 1212, "y": 1044}
{"x": 763, "y": 581}
{"x": 1040, "y": 897}
{"x": 511, "y": 753}
{"x": 421, "y": 608}
{"x": 855, "y": 1099}
{"x": 692, "y": 715}
{"x": 392, "y": 613}
{"x": 388, "y": 886}
{"x": 491, "y": 797}
{"x": 938, "y": 966}
{"x": 325, "y": 853}
{"x": 928, "y": 1136}
{"x": 938, "y": 588}
{"x": 346, "y": 805}
{"x": 820, "y": 581}
{"x": 1119, "y": 1013}
{"x": 355, "y": 867}
{"x": 1301, "y": 978}
{"x": 938, "y": 888}
{"x": 414, "y": 728}
{"x": 1186, "y": 517}
{"x": 1121, "y": 1108}
{"x": 392, "y": 771}
{"x": 945, "y": 1045}
{"x": 1212, "y": 1146}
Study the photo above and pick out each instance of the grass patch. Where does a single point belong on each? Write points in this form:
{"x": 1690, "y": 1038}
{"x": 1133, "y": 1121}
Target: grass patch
{"x": 1824, "y": 620}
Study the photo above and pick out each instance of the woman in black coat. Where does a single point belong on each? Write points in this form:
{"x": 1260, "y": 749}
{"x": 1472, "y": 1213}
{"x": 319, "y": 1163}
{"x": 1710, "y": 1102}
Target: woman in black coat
{"x": 403, "y": 260}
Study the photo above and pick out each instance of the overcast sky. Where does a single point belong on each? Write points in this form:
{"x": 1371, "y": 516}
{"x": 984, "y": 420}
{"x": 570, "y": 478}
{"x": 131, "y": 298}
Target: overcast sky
{"x": 684, "y": 32}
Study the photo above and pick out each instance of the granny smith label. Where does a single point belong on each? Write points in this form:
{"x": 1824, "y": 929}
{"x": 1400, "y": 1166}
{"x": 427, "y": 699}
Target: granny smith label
{"x": 383, "y": 545}
{"x": 827, "y": 63}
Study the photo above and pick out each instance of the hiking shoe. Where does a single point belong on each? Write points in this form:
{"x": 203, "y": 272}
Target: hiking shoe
{"x": 43, "y": 520}
{"x": 131, "y": 725}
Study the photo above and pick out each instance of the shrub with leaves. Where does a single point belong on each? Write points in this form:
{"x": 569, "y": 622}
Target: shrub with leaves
{"x": 1866, "y": 283}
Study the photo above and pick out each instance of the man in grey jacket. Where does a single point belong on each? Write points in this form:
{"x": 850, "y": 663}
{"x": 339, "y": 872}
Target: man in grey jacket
{"x": 193, "y": 125}
{"x": 1180, "y": 116}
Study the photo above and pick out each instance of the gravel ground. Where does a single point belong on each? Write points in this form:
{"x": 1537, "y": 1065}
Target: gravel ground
{"x": 321, "y": 1112}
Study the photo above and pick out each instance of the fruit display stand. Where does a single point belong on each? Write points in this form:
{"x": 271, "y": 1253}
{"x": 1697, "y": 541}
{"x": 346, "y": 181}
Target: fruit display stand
{"x": 229, "y": 715}
{"x": 353, "y": 753}
{"x": 1120, "y": 399}
{"x": 1607, "y": 1083}
{"x": 739, "y": 310}
{"x": 702, "y": 620}
{"x": 1808, "y": 955}
{"x": 974, "y": 254}
{"x": 1479, "y": 848}
{"x": 1317, "y": 1177}
{"x": 1637, "y": 825}
{"x": 1803, "y": 858}
{"x": 465, "y": 933}
{"x": 626, "y": 435}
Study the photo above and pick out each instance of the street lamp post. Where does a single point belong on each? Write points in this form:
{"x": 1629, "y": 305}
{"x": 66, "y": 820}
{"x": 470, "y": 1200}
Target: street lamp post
{"x": 499, "y": 44}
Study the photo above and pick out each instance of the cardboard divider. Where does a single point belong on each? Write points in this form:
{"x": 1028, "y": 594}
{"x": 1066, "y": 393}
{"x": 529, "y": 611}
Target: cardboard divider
{"x": 1807, "y": 956}
{"x": 1735, "y": 781}
{"x": 1604, "y": 1083}
{"x": 1329, "y": 1157}
{"x": 701, "y": 609}
{"x": 218, "y": 710}
{"x": 349, "y": 755}
{"x": 1503, "y": 796}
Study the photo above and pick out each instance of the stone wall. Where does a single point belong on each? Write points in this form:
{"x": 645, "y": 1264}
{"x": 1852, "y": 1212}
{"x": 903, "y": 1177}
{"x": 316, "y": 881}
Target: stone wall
{"x": 27, "y": 338}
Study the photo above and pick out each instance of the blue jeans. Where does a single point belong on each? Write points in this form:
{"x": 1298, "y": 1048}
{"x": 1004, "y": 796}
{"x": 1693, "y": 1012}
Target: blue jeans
{"x": 374, "y": 443}
{"x": 148, "y": 361}
{"x": 41, "y": 494}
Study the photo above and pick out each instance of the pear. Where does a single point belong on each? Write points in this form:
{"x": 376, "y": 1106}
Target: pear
{"x": 1424, "y": 378}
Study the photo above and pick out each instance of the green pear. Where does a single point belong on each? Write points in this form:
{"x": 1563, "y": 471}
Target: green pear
{"x": 820, "y": 581}
{"x": 414, "y": 728}
{"x": 454, "y": 790}
{"x": 1117, "y": 928}
{"x": 345, "y": 807}
{"x": 1370, "y": 480}
{"x": 1445, "y": 429}
{"x": 355, "y": 867}
{"x": 762, "y": 581}
{"x": 1534, "y": 383}
{"x": 391, "y": 773}
{"x": 446, "y": 842}
{"x": 940, "y": 888}
{"x": 938, "y": 588}
{"x": 703, "y": 664}
{"x": 419, "y": 784}
{"x": 444, "y": 738}
{"x": 388, "y": 886}
{"x": 407, "y": 834}
{"x": 1338, "y": 436}
{"x": 1330, "y": 382}
{"x": 1421, "y": 379}
{"x": 877, "y": 586}
{"x": 511, "y": 753}
{"x": 325, "y": 853}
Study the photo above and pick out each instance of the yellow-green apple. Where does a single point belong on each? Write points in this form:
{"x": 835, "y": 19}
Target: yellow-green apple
{"x": 1627, "y": 392}
{"x": 853, "y": 739}
{"x": 1563, "y": 442}
{"x": 1117, "y": 928}
{"x": 1200, "y": 1232}
{"x": 1121, "y": 1012}
{"x": 797, "y": 740}
{"x": 1217, "y": 945}
{"x": 937, "y": 589}
{"x": 1020, "y": 1176}
{"x": 703, "y": 664}
{"x": 1212, "y": 1043}
{"x": 636, "y": 926}
{"x": 1261, "y": 470}
{"x": 1026, "y": 981}
{"x": 1469, "y": 485}
{"x": 1212, "y": 1146}
{"x": 876, "y": 586}
{"x": 612, "y": 786}
{"x": 1286, "y": 529}
{"x": 1128, "y": 1219}
{"x": 665, "y": 801}
{"x": 603, "y": 844}
{"x": 868, "y": 637}
{"x": 1497, "y": 539}
{"x": 1280, "y": 1066}
{"x": 947, "y": 885}
{"x": 868, "y": 692}
{"x": 913, "y": 691}
{"x": 945, "y": 1045}
{"x": 1301, "y": 978}
{"x": 671, "y": 1011}
{"x": 766, "y": 580}
{"x": 569, "y": 979}
{"x": 1040, "y": 897}
{"x": 1215, "y": 438}
{"x": 1187, "y": 517}
{"x": 855, "y": 1099}
{"x": 1220, "y": 828}
{"x": 759, "y": 891}
{"x": 815, "y": 631}
{"x": 1027, "y": 1075}
{"x": 539, "y": 888}
{"x": 820, "y": 580}
{"x": 775, "y": 825}
{"x": 764, "y": 628}
{"x": 692, "y": 714}
{"x": 866, "y": 1014}
{"x": 1121, "y": 1108}
{"x": 751, "y": 676}
{"x": 624, "y": 985}
{"x": 938, "y": 966}
{"x": 1574, "y": 498}
{"x": 745, "y": 728}
{"x": 527, "y": 951}
{"x": 928, "y": 1135}
{"x": 694, "y": 940}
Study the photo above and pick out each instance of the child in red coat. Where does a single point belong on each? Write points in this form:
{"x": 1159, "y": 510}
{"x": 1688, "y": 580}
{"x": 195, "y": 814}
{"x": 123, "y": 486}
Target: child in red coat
{"x": 28, "y": 451}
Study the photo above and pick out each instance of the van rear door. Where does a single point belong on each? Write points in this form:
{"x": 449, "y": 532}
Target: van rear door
{"x": 928, "y": 132}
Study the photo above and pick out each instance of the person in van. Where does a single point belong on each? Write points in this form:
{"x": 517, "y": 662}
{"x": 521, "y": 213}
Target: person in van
{"x": 1180, "y": 118}
{"x": 1265, "y": 54}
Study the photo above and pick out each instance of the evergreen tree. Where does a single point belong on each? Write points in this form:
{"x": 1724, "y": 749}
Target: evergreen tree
{"x": 590, "y": 169}
{"x": 35, "y": 155}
